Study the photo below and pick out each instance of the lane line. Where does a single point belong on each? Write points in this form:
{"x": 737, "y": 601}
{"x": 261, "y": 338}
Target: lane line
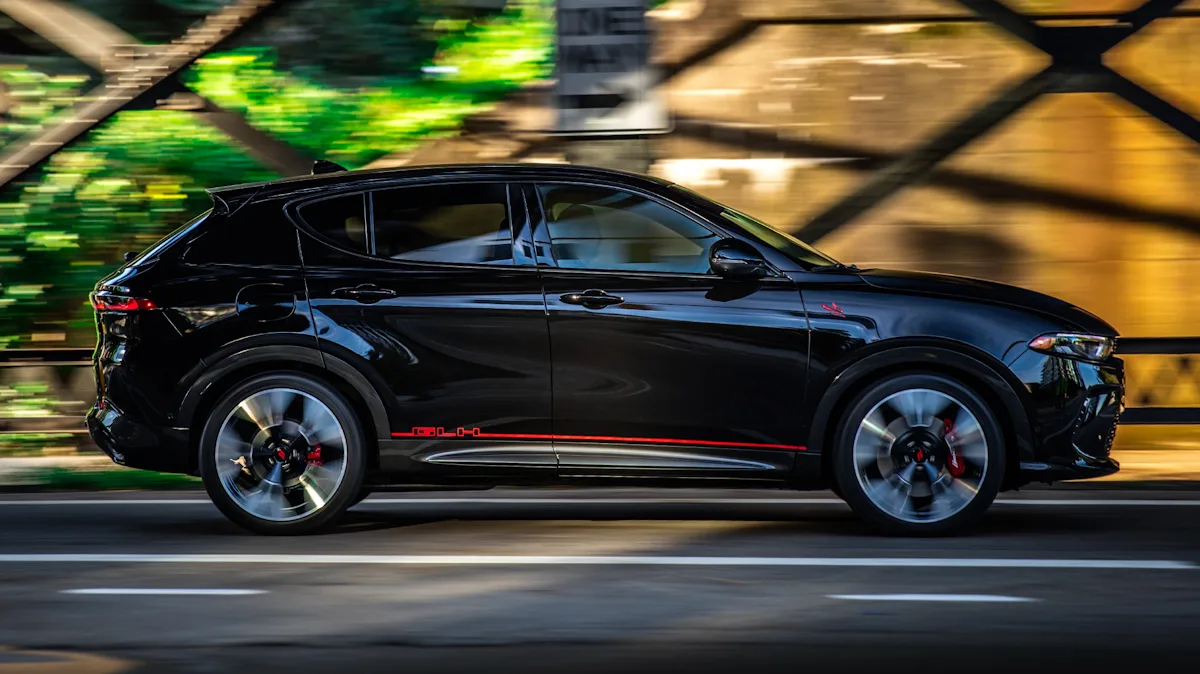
{"x": 599, "y": 560}
{"x": 164, "y": 591}
{"x": 977, "y": 598}
{"x": 1090, "y": 503}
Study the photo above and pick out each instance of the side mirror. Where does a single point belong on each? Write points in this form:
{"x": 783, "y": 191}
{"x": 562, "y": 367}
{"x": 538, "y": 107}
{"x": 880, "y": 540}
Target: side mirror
{"x": 733, "y": 259}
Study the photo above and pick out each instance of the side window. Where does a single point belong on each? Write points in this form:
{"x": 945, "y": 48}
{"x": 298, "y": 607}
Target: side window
{"x": 608, "y": 229}
{"x": 342, "y": 220}
{"x": 464, "y": 223}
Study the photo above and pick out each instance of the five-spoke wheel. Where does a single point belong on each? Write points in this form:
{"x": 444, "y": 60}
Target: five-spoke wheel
{"x": 919, "y": 454}
{"x": 282, "y": 453}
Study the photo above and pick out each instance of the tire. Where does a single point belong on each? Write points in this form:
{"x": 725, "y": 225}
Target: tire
{"x": 362, "y": 494}
{"x": 282, "y": 454}
{"x": 943, "y": 476}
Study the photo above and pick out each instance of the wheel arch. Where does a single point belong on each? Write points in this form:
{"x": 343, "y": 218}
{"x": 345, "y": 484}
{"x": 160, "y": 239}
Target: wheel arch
{"x": 238, "y": 364}
{"x": 985, "y": 374}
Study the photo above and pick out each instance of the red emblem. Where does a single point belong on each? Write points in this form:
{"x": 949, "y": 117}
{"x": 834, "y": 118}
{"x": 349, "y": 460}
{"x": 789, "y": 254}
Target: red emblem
{"x": 834, "y": 309}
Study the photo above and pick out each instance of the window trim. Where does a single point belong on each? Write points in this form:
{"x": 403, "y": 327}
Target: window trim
{"x": 543, "y": 225}
{"x": 292, "y": 210}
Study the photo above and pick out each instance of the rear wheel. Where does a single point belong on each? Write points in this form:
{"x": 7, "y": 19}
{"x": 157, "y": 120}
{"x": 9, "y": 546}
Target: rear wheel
{"x": 282, "y": 454}
{"x": 919, "y": 454}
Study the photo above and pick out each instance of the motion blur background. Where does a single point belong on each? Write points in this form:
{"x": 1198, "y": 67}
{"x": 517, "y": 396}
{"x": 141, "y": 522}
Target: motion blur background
{"x": 780, "y": 108}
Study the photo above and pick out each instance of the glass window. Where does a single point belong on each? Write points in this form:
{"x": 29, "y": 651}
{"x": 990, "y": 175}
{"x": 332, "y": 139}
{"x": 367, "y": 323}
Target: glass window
{"x": 605, "y": 228}
{"x": 339, "y": 219}
{"x": 779, "y": 240}
{"x": 462, "y": 223}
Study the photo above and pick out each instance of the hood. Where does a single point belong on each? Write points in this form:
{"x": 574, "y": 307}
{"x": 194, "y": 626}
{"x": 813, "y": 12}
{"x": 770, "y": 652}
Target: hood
{"x": 1070, "y": 316}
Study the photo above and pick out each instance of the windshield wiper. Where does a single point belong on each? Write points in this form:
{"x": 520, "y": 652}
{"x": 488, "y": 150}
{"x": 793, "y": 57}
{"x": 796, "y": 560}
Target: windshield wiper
{"x": 836, "y": 266}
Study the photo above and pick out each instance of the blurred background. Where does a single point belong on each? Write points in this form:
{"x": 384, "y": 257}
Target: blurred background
{"x": 780, "y": 108}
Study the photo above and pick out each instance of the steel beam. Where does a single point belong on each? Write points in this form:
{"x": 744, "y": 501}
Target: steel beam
{"x": 95, "y": 42}
{"x": 1077, "y": 65}
{"x": 144, "y": 81}
{"x": 919, "y": 162}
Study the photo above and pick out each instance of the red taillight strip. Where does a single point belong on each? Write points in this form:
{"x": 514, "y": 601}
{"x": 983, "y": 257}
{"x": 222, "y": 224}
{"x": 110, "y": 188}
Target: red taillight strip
{"x": 604, "y": 438}
{"x": 120, "y": 303}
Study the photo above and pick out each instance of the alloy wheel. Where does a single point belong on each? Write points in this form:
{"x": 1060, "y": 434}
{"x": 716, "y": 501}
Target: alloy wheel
{"x": 281, "y": 454}
{"x": 920, "y": 455}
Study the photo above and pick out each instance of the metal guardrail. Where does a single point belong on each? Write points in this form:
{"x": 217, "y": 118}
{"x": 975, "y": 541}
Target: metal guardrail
{"x": 56, "y": 356}
{"x": 1182, "y": 368}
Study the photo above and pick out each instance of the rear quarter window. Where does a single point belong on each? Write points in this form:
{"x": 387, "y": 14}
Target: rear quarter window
{"x": 258, "y": 235}
{"x": 340, "y": 220}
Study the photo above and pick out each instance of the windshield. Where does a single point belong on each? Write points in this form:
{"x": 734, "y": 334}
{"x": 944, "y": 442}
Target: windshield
{"x": 780, "y": 241}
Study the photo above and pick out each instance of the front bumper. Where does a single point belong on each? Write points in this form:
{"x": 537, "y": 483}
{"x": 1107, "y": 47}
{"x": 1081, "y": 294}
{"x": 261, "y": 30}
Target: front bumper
{"x": 129, "y": 443}
{"x": 1074, "y": 413}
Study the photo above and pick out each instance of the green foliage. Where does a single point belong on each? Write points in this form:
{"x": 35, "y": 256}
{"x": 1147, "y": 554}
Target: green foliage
{"x": 355, "y": 38}
{"x": 354, "y": 126}
{"x": 65, "y": 479}
{"x": 142, "y": 174}
{"x": 138, "y": 176}
{"x": 32, "y": 96}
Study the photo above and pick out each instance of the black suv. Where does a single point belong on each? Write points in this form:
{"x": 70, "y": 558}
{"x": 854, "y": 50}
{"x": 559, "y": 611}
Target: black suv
{"x": 310, "y": 340}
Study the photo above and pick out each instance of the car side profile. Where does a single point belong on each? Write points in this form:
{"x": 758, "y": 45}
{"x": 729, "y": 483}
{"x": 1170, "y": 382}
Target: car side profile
{"x": 310, "y": 340}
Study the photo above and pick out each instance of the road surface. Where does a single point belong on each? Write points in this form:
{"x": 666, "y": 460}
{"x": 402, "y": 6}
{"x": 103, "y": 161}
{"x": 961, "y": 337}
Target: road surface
{"x": 600, "y": 581}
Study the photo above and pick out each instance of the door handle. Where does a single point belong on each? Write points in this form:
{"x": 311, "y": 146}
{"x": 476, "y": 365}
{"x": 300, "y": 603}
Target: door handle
{"x": 591, "y": 299}
{"x": 366, "y": 293}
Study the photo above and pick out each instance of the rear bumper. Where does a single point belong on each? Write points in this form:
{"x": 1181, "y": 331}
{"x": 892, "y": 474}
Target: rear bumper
{"x": 132, "y": 444}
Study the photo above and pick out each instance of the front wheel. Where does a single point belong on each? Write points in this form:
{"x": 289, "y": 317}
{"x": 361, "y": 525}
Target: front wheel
{"x": 919, "y": 454}
{"x": 282, "y": 454}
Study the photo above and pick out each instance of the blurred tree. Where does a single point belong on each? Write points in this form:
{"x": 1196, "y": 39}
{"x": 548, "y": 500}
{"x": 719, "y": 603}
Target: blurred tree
{"x": 132, "y": 182}
{"x": 142, "y": 174}
{"x": 334, "y": 39}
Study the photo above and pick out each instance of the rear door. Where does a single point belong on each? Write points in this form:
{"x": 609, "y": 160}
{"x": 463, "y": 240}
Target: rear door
{"x": 418, "y": 286}
{"x": 660, "y": 367}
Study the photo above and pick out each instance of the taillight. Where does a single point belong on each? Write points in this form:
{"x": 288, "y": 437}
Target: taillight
{"x": 107, "y": 302}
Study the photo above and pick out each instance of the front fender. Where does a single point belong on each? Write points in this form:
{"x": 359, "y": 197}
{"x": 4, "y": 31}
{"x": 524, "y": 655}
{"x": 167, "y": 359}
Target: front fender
{"x": 994, "y": 382}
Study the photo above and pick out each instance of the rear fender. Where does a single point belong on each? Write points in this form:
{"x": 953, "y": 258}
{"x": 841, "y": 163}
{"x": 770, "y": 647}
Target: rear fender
{"x": 233, "y": 359}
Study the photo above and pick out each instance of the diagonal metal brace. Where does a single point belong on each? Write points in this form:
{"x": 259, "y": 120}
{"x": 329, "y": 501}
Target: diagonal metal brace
{"x": 1077, "y": 65}
{"x": 130, "y": 88}
{"x": 97, "y": 42}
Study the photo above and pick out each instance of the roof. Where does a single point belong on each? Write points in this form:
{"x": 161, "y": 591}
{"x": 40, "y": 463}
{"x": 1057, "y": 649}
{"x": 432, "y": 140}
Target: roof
{"x": 368, "y": 177}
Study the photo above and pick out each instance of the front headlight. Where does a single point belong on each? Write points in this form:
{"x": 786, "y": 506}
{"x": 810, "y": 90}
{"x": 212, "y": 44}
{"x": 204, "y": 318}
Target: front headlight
{"x": 1074, "y": 345}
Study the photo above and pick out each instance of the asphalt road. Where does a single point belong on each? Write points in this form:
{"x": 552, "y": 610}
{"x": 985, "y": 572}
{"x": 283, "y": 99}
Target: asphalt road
{"x": 600, "y": 581}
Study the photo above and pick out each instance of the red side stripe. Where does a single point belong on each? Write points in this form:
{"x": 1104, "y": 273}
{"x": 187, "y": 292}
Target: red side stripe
{"x": 607, "y": 438}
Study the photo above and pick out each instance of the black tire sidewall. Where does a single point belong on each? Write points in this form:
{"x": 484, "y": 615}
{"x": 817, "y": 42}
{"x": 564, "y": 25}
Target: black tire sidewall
{"x": 356, "y": 454}
{"x": 362, "y": 495}
{"x": 843, "y": 458}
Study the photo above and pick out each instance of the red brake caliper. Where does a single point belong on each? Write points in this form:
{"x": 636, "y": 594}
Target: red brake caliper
{"x": 314, "y": 455}
{"x": 954, "y": 462}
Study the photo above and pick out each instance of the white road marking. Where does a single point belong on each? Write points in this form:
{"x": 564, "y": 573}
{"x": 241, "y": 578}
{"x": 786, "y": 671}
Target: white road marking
{"x": 1090, "y": 503}
{"x": 599, "y": 560}
{"x": 179, "y": 591}
{"x": 984, "y": 598}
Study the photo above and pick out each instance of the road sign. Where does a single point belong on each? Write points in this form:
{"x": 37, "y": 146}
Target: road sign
{"x": 605, "y": 82}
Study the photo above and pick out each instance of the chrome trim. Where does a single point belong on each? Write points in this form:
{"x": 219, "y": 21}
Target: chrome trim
{"x": 616, "y": 457}
{"x": 502, "y": 455}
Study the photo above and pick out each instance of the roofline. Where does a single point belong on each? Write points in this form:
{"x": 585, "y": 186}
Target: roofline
{"x": 301, "y": 182}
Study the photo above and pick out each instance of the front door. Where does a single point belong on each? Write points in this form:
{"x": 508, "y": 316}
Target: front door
{"x": 660, "y": 367}
{"x": 419, "y": 287}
